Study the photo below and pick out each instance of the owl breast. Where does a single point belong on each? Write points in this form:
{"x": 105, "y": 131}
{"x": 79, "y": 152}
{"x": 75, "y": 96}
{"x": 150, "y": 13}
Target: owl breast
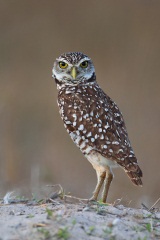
{"x": 90, "y": 118}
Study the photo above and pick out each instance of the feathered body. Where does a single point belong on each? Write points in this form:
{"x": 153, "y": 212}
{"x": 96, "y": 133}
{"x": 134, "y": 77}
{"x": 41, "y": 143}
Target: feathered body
{"x": 95, "y": 123}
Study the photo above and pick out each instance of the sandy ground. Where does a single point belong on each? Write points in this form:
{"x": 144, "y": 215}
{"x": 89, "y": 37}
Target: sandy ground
{"x": 69, "y": 219}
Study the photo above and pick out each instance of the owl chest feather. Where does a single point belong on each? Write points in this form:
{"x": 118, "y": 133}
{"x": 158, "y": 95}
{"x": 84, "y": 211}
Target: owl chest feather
{"x": 93, "y": 122}
{"x": 82, "y": 108}
{"x": 77, "y": 109}
{"x": 80, "y": 116}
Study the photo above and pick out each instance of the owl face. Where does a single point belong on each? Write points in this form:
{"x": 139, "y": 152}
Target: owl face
{"x": 73, "y": 68}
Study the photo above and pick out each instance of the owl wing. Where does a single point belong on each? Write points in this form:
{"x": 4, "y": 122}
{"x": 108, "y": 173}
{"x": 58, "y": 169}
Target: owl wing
{"x": 97, "y": 120}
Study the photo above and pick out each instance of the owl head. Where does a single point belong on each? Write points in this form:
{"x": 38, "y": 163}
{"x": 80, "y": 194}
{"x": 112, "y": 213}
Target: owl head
{"x": 73, "y": 68}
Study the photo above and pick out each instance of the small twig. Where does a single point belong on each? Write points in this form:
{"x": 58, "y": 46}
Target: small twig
{"x": 143, "y": 205}
{"x": 154, "y": 204}
{"x": 53, "y": 201}
{"x": 61, "y": 192}
{"x": 36, "y": 225}
{"x": 76, "y": 198}
{"x": 116, "y": 202}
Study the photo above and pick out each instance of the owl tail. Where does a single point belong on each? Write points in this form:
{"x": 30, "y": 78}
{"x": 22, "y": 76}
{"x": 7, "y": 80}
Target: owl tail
{"x": 133, "y": 170}
{"x": 135, "y": 177}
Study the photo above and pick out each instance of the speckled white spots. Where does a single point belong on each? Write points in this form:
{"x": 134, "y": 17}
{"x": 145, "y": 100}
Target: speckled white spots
{"x": 95, "y": 125}
{"x": 84, "y": 131}
{"x": 106, "y": 117}
{"x": 77, "y": 132}
{"x": 105, "y": 146}
{"x": 102, "y": 136}
{"x": 83, "y": 144}
{"x": 117, "y": 114}
{"x": 83, "y": 137}
{"x": 100, "y": 129}
{"x": 61, "y": 109}
{"x": 72, "y": 88}
{"x": 106, "y": 126}
{"x": 75, "y": 116}
{"x": 89, "y": 134}
{"x": 117, "y": 133}
{"x": 120, "y": 150}
{"x": 80, "y": 119}
{"x": 77, "y": 140}
{"x": 68, "y": 122}
{"x": 79, "y": 91}
{"x": 91, "y": 113}
{"x": 92, "y": 140}
{"x": 108, "y": 142}
{"x": 75, "y": 107}
{"x": 115, "y": 142}
{"x": 99, "y": 125}
{"x": 68, "y": 92}
{"x": 110, "y": 150}
{"x": 72, "y": 135}
{"x": 86, "y": 115}
{"x": 62, "y": 102}
{"x": 88, "y": 149}
{"x": 74, "y": 124}
{"x": 81, "y": 127}
{"x": 104, "y": 130}
{"x": 131, "y": 155}
{"x": 96, "y": 136}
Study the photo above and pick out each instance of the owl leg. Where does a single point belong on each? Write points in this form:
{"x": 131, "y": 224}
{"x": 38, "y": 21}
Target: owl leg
{"x": 100, "y": 179}
{"x": 107, "y": 182}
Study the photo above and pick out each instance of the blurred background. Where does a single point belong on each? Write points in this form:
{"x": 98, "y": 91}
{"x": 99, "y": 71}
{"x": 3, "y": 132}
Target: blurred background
{"x": 123, "y": 40}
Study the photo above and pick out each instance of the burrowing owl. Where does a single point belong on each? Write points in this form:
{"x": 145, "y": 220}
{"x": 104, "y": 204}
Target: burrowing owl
{"x": 93, "y": 120}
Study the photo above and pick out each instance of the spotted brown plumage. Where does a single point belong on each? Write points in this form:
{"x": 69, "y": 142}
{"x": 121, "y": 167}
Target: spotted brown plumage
{"x": 93, "y": 121}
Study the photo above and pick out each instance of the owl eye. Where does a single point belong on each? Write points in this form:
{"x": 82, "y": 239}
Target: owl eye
{"x": 84, "y": 64}
{"x": 63, "y": 65}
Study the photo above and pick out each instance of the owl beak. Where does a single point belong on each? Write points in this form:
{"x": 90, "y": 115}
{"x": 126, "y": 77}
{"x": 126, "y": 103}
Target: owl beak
{"x": 74, "y": 73}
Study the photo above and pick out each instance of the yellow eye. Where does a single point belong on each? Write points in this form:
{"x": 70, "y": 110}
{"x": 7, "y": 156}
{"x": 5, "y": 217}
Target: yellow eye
{"x": 63, "y": 65}
{"x": 84, "y": 64}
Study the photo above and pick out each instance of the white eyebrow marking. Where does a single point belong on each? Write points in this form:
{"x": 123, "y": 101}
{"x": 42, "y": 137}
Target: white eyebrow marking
{"x": 84, "y": 59}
